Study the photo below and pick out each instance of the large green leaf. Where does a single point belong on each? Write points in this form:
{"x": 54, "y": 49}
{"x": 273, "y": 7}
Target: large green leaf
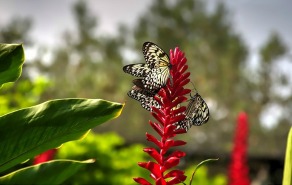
{"x": 11, "y": 60}
{"x": 30, "y": 131}
{"x": 287, "y": 178}
{"x": 53, "y": 172}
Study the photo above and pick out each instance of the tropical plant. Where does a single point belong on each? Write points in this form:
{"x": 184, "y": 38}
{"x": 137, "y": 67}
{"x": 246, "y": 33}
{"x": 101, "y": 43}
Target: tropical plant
{"x": 30, "y": 131}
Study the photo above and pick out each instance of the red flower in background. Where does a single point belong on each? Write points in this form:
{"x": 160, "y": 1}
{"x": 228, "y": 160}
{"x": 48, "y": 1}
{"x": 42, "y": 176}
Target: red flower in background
{"x": 44, "y": 157}
{"x": 170, "y": 112}
{"x": 238, "y": 169}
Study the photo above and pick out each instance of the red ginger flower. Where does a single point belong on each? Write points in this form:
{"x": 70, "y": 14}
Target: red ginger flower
{"x": 45, "y": 156}
{"x": 238, "y": 169}
{"x": 171, "y": 96}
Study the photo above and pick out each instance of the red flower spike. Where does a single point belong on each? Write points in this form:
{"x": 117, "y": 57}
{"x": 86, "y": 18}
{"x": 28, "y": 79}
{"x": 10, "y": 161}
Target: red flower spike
{"x": 177, "y": 92}
{"x": 153, "y": 139}
{"x": 153, "y": 153}
{"x": 184, "y": 82}
{"x": 183, "y": 77}
{"x": 178, "y": 154}
{"x": 171, "y": 162}
{"x": 151, "y": 166}
{"x": 183, "y": 60}
{"x": 179, "y": 143}
{"x": 178, "y": 100}
{"x": 173, "y": 173}
{"x": 162, "y": 92}
{"x": 178, "y": 118}
{"x": 177, "y": 179}
{"x": 184, "y": 68}
{"x": 169, "y": 129}
{"x": 157, "y": 117}
{"x": 156, "y": 128}
{"x": 182, "y": 65}
{"x": 180, "y": 131}
{"x": 176, "y": 175}
{"x": 171, "y": 143}
{"x": 160, "y": 181}
{"x": 186, "y": 91}
{"x": 181, "y": 92}
{"x": 179, "y": 110}
{"x": 238, "y": 169}
{"x": 168, "y": 144}
{"x": 141, "y": 181}
{"x": 170, "y": 98}
{"x": 156, "y": 110}
{"x": 45, "y": 156}
{"x": 160, "y": 115}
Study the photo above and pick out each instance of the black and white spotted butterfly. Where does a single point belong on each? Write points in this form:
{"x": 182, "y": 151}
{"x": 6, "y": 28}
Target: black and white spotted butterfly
{"x": 145, "y": 97}
{"x": 155, "y": 71}
{"x": 197, "y": 113}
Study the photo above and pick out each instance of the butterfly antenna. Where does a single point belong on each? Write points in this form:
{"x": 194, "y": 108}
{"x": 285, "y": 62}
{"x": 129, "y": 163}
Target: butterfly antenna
{"x": 193, "y": 89}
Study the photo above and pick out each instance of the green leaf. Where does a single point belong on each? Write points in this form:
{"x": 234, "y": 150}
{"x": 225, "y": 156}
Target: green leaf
{"x": 30, "y": 131}
{"x": 11, "y": 60}
{"x": 52, "y": 172}
{"x": 287, "y": 176}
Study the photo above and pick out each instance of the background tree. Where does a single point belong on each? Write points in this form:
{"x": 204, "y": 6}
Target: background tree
{"x": 220, "y": 70}
{"x": 89, "y": 65}
{"x": 26, "y": 91}
{"x": 266, "y": 87}
{"x": 16, "y": 31}
{"x": 216, "y": 54}
{"x": 80, "y": 65}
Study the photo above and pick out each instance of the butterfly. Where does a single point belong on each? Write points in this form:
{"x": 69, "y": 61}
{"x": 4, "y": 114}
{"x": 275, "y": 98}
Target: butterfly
{"x": 197, "y": 113}
{"x": 155, "y": 72}
{"x": 145, "y": 97}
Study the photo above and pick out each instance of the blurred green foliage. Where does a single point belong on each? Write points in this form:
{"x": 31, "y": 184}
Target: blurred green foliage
{"x": 29, "y": 131}
{"x": 23, "y": 93}
{"x": 116, "y": 163}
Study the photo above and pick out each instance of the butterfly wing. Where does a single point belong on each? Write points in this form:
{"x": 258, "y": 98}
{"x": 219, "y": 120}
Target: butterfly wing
{"x": 201, "y": 113}
{"x": 159, "y": 63}
{"x": 138, "y": 70}
{"x": 154, "y": 56}
{"x": 185, "y": 124}
{"x": 156, "y": 78}
{"x": 145, "y": 97}
{"x": 197, "y": 113}
{"x": 140, "y": 84}
{"x": 155, "y": 73}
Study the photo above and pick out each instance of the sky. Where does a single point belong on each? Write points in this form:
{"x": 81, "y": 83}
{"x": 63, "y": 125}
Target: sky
{"x": 254, "y": 19}
{"x": 52, "y": 17}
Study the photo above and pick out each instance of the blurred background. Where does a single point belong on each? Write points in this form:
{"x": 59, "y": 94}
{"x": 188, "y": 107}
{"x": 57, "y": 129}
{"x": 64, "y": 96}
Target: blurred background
{"x": 239, "y": 55}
